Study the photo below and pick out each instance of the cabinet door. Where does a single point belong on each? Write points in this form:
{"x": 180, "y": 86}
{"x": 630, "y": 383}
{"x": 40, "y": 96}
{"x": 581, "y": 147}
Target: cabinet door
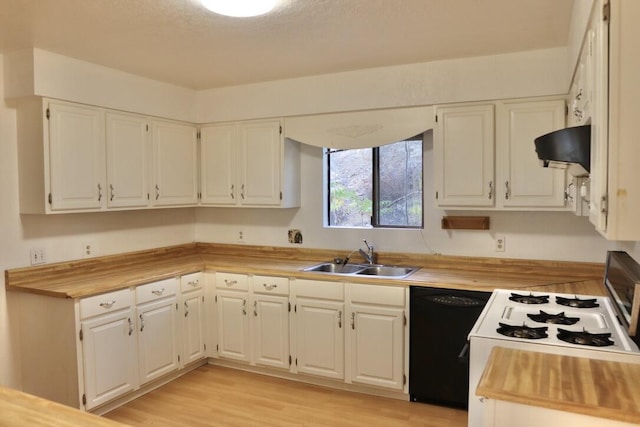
{"x": 260, "y": 168}
{"x": 320, "y": 337}
{"x": 218, "y": 165}
{"x": 110, "y": 357}
{"x": 157, "y": 338}
{"x": 233, "y": 325}
{"x": 127, "y": 164}
{"x": 376, "y": 340}
{"x": 193, "y": 326}
{"x": 271, "y": 330}
{"x": 524, "y": 182}
{"x": 76, "y": 150}
{"x": 175, "y": 164}
{"x": 464, "y": 156}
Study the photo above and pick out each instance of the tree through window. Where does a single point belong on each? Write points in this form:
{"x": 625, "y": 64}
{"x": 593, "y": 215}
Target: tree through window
{"x": 376, "y": 187}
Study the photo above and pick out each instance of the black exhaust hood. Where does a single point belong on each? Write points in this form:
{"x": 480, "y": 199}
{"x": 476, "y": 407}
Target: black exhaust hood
{"x": 566, "y": 148}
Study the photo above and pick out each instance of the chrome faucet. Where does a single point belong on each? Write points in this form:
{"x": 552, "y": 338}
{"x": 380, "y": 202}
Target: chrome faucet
{"x": 369, "y": 255}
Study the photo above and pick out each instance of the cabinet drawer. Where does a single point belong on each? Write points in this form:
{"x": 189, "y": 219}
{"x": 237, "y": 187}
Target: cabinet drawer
{"x": 270, "y": 285}
{"x": 156, "y": 290}
{"x": 105, "y": 303}
{"x": 319, "y": 289}
{"x": 232, "y": 281}
{"x": 375, "y": 294}
{"x": 191, "y": 282}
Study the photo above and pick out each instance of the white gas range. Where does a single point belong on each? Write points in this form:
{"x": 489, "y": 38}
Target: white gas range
{"x": 576, "y": 325}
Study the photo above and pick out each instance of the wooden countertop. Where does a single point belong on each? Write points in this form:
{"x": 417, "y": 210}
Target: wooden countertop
{"x": 22, "y": 409}
{"x": 592, "y": 387}
{"x": 77, "y": 279}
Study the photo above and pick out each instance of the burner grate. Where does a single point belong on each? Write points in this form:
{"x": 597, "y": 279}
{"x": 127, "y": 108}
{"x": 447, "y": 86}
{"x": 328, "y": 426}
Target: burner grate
{"x": 559, "y": 319}
{"x": 529, "y": 299}
{"x": 577, "y": 302}
{"x": 585, "y": 338}
{"x": 524, "y": 331}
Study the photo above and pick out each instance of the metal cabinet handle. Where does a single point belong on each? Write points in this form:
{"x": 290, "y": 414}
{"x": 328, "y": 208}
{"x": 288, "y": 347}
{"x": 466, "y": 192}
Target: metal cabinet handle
{"x": 158, "y": 292}
{"x": 112, "y": 193}
{"x": 130, "y": 326}
{"x": 340, "y": 319}
{"x": 269, "y": 287}
{"x": 490, "y": 190}
{"x": 230, "y": 282}
{"x": 233, "y": 196}
{"x": 242, "y": 191}
{"x": 255, "y": 309}
{"x": 141, "y": 323}
{"x": 107, "y": 304}
{"x": 244, "y": 307}
{"x": 157, "y": 192}
{"x": 186, "y": 308}
{"x": 99, "y": 192}
{"x": 507, "y": 190}
{"x": 193, "y": 282}
{"x": 353, "y": 321}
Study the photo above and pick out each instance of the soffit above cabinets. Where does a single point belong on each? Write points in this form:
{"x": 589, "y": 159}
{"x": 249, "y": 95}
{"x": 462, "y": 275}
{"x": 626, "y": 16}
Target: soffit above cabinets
{"x": 179, "y": 42}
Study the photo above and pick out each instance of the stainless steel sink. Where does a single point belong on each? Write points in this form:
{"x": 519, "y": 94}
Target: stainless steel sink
{"x": 373, "y": 270}
{"x": 329, "y": 267}
{"x": 387, "y": 271}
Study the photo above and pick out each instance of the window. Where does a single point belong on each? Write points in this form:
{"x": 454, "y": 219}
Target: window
{"x": 376, "y": 187}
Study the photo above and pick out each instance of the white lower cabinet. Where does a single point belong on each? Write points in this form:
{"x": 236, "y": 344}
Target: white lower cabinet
{"x": 375, "y": 335}
{"x": 193, "y": 317}
{"x": 270, "y": 321}
{"x": 157, "y": 330}
{"x": 109, "y": 348}
{"x": 319, "y": 323}
{"x": 232, "y": 300}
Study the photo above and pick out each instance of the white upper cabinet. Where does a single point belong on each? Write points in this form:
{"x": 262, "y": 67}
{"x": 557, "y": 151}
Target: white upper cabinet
{"x": 464, "y": 156}
{"x": 76, "y": 151}
{"x": 524, "y": 183}
{"x": 249, "y": 164}
{"x": 127, "y": 160}
{"x": 175, "y": 163}
{"x": 466, "y": 145}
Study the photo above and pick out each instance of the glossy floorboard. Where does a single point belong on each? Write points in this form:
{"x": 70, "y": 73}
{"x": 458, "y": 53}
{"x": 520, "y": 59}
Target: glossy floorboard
{"x": 217, "y": 396}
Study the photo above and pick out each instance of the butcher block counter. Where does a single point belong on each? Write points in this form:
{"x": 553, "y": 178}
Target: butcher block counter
{"x": 606, "y": 390}
{"x": 22, "y": 409}
{"x": 83, "y": 278}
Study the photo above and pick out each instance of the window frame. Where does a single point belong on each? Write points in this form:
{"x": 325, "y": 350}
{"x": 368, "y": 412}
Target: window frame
{"x": 375, "y": 191}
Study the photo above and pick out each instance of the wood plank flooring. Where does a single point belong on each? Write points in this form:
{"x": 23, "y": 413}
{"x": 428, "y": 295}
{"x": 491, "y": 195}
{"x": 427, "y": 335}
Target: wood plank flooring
{"x": 217, "y": 396}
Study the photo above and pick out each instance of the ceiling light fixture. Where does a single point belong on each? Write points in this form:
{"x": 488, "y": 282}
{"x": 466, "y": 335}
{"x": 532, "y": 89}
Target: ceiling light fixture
{"x": 239, "y": 8}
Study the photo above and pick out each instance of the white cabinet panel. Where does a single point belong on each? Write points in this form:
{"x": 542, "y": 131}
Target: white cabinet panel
{"x": 524, "y": 182}
{"x": 110, "y": 356}
{"x": 218, "y": 165}
{"x": 464, "y": 156}
{"x": 127, "y": 160}
{"x": 157, "y": 338}
{"x": 77, "y": 159}
{"x": 193, "y": 327}
{"x": 175, "y": 164}
{"x": 233, "y": 325}
{"x": 271, "y": 330}
{"x": 260, "y": 163}
{"x": 320, "y": 337}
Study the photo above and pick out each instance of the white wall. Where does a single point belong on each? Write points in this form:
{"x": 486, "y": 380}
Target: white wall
{"x": 63, "y": 235}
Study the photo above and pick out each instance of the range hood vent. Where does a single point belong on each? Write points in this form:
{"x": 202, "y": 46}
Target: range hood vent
{"x": 568, "y": 148}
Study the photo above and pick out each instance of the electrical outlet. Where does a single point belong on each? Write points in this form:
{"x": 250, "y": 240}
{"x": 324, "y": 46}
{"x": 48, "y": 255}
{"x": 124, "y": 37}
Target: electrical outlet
{"x": 88, "y": 249}
{"x": 241, "y": 236}
{"x": 38, "y": 256}
{"x": 500, "y": 243}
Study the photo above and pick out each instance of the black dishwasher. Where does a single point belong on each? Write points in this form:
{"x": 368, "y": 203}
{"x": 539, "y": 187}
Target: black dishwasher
{"x": 441, "y": 319}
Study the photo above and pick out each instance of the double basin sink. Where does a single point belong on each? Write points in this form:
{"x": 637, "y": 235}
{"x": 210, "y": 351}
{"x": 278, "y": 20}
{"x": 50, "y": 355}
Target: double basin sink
{"x": 373, "y": 270}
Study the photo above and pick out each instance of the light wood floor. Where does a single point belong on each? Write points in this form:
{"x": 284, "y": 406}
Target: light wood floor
{"x": 217, "y": 396}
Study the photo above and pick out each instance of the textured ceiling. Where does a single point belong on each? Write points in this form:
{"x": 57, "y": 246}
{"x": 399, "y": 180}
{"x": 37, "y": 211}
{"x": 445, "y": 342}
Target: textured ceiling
{"x": 179, "y": 42}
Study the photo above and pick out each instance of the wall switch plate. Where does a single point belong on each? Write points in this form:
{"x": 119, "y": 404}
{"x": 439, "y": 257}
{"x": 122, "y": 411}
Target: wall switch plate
{"x": 38, "y": 256}
{"x": 500, "y": 243}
